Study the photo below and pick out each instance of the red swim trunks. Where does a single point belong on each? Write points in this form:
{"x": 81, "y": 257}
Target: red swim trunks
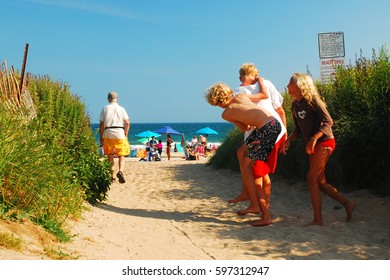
{"x": 261, "y": 168}
{"x": 331, "y": 143}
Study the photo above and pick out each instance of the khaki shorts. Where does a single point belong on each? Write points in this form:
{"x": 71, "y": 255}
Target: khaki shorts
{"x": 119, "y": 147}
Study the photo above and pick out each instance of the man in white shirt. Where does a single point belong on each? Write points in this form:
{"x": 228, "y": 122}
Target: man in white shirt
{"x": 114, "y": 129}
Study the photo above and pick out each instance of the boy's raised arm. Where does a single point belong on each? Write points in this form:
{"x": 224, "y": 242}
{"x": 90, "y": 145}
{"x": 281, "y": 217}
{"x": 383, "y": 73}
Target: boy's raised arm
{"x": 263, "y": 94}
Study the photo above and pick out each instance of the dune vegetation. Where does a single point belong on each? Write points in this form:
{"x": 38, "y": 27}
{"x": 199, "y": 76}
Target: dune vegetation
{"x": 49, "y": 164}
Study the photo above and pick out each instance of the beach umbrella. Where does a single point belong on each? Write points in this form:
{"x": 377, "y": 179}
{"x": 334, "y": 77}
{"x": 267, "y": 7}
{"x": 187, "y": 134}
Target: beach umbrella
{"x": 167, "y": 130}
{"x": 143, "y": 140}
{"x": 207, "y": 130}
{"x": 148, "y": 134}
{"x": 183, "y": 140}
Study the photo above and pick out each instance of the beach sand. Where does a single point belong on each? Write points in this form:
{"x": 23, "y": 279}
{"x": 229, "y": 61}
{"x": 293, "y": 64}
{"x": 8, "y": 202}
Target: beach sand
{"x": 177, "y": 210}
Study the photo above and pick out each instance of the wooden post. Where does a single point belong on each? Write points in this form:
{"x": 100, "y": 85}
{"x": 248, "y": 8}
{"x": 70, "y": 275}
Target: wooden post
{"x": 23, "y": 69}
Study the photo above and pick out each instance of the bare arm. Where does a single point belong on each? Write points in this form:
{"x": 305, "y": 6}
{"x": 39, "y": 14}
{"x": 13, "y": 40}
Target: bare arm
{"x": 282, "y": 115}
{"x": 101, "y": 130}
{"x": 127, "y": 127}
{"x": 263, "y": 94}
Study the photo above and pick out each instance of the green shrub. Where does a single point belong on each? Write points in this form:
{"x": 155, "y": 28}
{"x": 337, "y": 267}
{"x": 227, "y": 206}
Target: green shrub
{"x": 33, "y": 184}
{"x": 225, "y": 157}
{"x": 66, "y": 129}
{"x": 360, "y": 106}
{"x": 49, "y": 165}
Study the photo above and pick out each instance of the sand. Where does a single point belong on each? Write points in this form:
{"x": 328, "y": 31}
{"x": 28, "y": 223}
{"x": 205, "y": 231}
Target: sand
{"x": 177, "y": 210}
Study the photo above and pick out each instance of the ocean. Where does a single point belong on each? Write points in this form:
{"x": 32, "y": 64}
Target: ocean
{"x": 189, "y": 130}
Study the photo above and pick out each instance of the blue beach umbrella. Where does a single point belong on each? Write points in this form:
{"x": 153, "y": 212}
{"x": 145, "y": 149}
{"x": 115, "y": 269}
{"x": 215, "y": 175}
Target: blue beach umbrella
{"x": 167, "y": 130}
{"x": 148, "y": 134}
{"x": 207, "y": 130}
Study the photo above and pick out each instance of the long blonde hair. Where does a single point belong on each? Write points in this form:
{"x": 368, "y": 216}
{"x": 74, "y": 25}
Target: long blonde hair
{"x": 309, "y": 91}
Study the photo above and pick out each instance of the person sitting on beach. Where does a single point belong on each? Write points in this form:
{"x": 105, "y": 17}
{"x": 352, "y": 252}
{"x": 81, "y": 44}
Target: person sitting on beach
{"x": 313, "y": 121}
{"x": 151, "y": 151}
{"x": 244, "y": 114}
{"x": 192, "y": 154}
{"x": 200, "y": 149}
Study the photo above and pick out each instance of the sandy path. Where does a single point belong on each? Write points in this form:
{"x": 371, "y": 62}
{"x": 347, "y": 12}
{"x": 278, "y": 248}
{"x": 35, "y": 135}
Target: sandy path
{"x": 177, "y": 210}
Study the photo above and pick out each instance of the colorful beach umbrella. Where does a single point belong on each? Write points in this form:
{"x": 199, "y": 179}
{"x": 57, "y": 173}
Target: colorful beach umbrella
{"x": 143, "y": 140}
{"x": 148, "y": 134}
{"x": 207, "y": 130}
{"x": 167, "y": 130}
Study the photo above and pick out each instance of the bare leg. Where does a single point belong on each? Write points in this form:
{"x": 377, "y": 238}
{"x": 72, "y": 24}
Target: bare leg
{"x": 111, "y": 160}
{"x": 332, "y": 192}
{"x": 122, "y": 162}
{"x": 243, "y": 196}
{"x": 254, "y": 206}
{"x": 318, "y": 162}
{"x": 267, "y": 188}
{"x": 169, "y": 153}
{"x": 264, "y": 206}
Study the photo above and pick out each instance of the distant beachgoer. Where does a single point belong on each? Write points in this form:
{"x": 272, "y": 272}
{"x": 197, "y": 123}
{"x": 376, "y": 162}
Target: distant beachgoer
{"x": 114, "y": 129}
{"x": 313, "y": 121}
{"x": 153, "y": 142}
{"x": 244, "y": 114}
{"x": 194, "y": 141}
{"x": 202, "y": 140}
{"x": 159, "y": 147}
{"x": 272, "y": 101}
{"x": 169, "y": 144}
{"x": 192, "y": 154}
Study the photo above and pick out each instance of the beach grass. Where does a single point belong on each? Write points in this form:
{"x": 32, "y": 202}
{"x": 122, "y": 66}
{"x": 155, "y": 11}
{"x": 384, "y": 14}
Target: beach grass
{"x": 50, "y": 164}
{"x": 10, "y": 241}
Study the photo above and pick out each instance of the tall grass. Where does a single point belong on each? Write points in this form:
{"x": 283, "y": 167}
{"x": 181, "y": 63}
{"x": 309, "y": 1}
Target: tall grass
{"x": 359, "y": 103}
{"x": 49, "y": 164}
{"x": 67, "y": 132}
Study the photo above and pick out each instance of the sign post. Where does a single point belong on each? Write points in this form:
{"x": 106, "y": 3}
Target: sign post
{"x": 332, "y": 53}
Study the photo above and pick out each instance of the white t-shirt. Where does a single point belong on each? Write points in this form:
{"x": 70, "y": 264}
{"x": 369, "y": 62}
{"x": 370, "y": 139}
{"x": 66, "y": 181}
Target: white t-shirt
{"x": 194, "y": 141}
{"x": 114, "y": 115}
{"x": 274, "y": 101}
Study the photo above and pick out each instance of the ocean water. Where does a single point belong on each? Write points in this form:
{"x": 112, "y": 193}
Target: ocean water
{"x": 189, "y": 130}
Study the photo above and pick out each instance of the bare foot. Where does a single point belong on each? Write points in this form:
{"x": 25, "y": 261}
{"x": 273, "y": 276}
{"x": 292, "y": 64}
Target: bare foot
{"x": 239, "y": 198}
{"x": 261, "y": 223}
{"x": 249, "y": 210}
{"x": 349, "y": 207}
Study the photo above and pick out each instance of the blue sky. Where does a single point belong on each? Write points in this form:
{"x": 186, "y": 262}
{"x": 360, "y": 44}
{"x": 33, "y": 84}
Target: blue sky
{"x": 161, "y": 55}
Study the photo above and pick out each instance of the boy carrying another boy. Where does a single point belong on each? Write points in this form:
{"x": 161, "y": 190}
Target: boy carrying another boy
{"x": 243, "y": 113}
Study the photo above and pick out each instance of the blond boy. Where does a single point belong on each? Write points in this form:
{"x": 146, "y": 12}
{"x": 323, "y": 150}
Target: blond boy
{"x": 243, "y": 113}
